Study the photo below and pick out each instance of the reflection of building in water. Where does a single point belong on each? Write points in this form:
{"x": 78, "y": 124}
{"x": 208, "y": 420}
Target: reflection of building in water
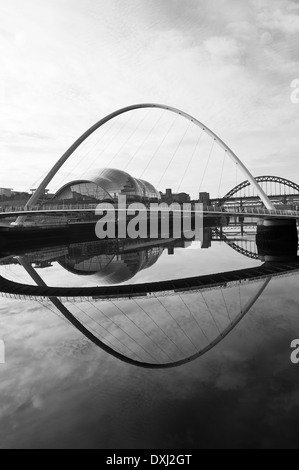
{"x": 112, "y": 261}
{"x": 207, "y": 238}
{"x": 116, "y": 261}
{"x": 105, "y": 185}
{"x": 110, "y": 268}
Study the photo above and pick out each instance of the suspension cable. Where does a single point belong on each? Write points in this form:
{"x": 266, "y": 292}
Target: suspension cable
{"x": 180, "y": 327}
{"x": 207, "y": 164}
{"x": 227, "y": 310}
{"x": 166, "y": 335}
{"x": 97, "y": 333}
{"x": 137, "y": 326}
{"x": 191, "y": 313}
{"x": 222, "y": 170}
{"x": 129, "y": 138}
{"x": 211, "y": 313}
{"x": 108, "y": 144}
{"x": 160, "y": 145}
{"x": 145, "y": 139}
{"x": 191, "y": 159}
{"x": 116, "y": 324}
{"x": 176, "y": 151}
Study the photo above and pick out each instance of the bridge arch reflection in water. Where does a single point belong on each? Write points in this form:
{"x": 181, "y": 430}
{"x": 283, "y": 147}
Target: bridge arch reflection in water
{"x": 165, "y": 329}
{"x": 152, "y": 340}
{"x": 165, "y": 319}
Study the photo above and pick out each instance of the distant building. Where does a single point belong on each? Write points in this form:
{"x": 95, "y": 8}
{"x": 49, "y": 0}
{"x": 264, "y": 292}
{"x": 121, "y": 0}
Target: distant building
{"x": 169, "y": 197}
{"x": 6, "y": 192}
{"x": 204, "y": 198}
{"x": 19, "y": 194}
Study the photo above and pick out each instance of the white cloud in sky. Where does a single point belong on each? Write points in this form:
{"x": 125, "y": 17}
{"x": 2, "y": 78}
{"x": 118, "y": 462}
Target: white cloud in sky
{"x": 66, "y": 63}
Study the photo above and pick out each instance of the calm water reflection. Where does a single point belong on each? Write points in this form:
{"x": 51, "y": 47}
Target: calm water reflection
{"x": 58, "y": 389}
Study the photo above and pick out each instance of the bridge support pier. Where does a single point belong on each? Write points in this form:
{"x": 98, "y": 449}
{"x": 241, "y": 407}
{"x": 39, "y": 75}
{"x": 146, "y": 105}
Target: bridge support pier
{"x": 277, "y": 240}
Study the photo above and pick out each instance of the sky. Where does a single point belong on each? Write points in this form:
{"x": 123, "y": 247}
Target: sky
{"x": 65, "y": 64}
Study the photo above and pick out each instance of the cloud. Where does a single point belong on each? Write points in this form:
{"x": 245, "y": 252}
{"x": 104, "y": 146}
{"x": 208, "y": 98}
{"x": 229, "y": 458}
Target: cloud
{"x": 64, "y": 65}
{"x": 281, "y": 16}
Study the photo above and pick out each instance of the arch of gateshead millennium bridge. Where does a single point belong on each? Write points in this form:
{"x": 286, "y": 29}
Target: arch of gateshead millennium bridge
{"x": 42, "y": 187}
{"x": 155, "y": 289}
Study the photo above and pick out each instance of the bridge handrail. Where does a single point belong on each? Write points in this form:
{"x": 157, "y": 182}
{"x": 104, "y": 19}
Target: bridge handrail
{"x": 250, "y": 211}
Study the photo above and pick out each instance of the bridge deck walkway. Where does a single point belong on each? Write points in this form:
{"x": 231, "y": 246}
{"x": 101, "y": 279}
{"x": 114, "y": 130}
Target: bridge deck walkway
{"x": 143, "y": 290}
{"x": 216, "y": 211}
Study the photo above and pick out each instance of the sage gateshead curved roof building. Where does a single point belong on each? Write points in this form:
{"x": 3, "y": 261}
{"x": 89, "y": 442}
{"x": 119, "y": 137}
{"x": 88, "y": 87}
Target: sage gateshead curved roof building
{"x": 106, "y": 185}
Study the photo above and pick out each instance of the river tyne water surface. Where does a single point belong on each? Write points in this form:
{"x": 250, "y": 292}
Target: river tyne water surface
{"x": 60, "y": 390}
